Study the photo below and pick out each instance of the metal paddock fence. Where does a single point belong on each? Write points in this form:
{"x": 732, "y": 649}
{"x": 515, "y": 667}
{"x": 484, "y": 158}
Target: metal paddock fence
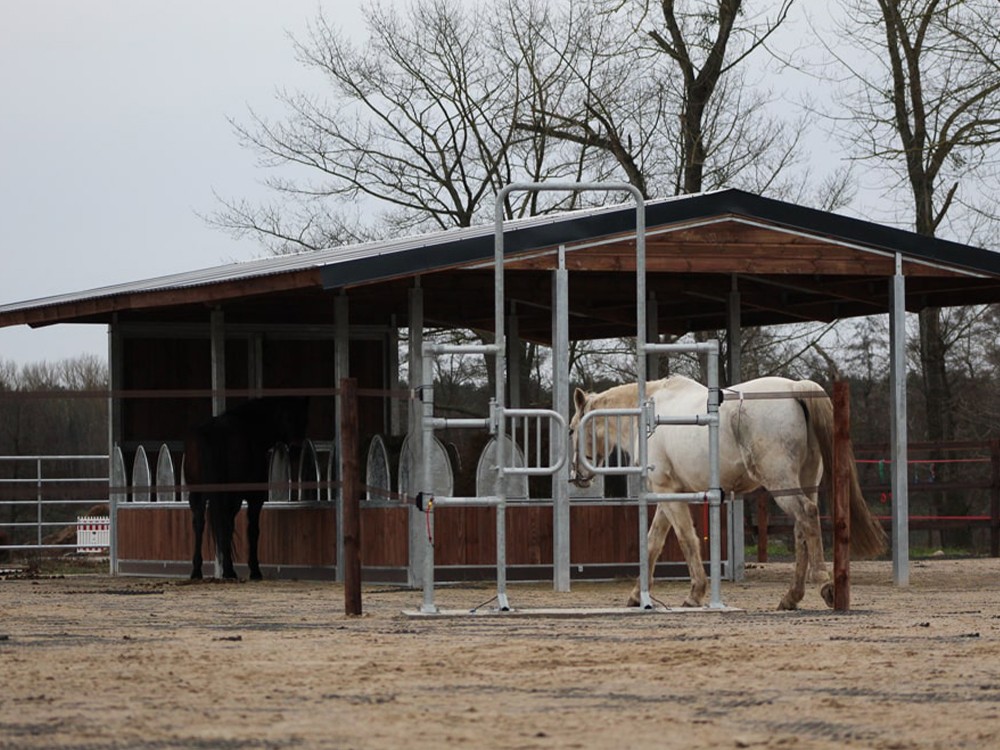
{"x": 42, "y": 494}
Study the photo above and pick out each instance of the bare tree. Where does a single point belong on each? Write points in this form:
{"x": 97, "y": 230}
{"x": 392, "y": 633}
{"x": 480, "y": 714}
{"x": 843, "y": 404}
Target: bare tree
{"x": 708, "y": 42}
{"x": 417, "y": 127}
{"x": 665, "y": 93}
{"x": 925, "y": 107}
{"x": 923, "y": 104}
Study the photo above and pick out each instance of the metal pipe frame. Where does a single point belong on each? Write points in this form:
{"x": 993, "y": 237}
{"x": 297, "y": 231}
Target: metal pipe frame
{"x": 898, "y": 435}
{"x": 486, "y": 501}
{"x": 560, "y": 402}
{"x": 116, "y": 377}
{"x": 593, "y": 416}
{"x": 497, "y": 411}
{"x": 427, "y": 444}
{"x": 557, "y": 458}
{"x": 714, "y": 492}
{"x": 715, "y": 482}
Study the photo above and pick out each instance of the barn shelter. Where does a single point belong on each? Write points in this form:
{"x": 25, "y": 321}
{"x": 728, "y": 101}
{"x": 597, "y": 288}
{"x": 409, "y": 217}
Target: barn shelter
{"x": 713, "y": 261}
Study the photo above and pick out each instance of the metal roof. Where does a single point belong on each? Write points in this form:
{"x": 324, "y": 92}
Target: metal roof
{"x": 825, "y": 258}
{"x": 418, "y": 252}
{"x": 465, "y": 246}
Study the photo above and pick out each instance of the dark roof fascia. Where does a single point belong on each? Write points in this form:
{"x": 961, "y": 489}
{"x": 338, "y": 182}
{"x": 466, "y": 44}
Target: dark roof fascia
{"x": 859, "y": 231}
{"x": 479, "y": 248}
{"x": 518, "y": 240}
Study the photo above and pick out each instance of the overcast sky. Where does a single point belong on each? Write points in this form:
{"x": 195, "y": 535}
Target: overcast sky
{"x": 113, "y": 136}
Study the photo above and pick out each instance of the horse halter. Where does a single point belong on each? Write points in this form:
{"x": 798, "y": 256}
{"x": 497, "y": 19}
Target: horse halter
{"x": 578, "y": 474}
{"x": 576, "y": 470}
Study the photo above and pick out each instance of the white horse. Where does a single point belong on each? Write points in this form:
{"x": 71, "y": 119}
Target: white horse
{"x": 782, "y": 443}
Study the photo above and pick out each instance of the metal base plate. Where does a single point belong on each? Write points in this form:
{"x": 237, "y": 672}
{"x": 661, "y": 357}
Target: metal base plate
{"x": 563, "y": 612}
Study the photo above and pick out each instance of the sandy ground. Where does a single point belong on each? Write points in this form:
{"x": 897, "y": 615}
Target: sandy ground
{"x": 97, "y": 662}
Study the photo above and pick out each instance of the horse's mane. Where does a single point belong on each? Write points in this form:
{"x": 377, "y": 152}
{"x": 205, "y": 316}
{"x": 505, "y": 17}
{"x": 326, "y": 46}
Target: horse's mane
{"x": 625, "y": 395}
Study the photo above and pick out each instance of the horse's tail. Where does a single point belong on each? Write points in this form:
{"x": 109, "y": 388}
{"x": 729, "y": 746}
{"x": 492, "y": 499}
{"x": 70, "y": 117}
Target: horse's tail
{"x": 868, "y": 538}
{"x": 222, "y": 522}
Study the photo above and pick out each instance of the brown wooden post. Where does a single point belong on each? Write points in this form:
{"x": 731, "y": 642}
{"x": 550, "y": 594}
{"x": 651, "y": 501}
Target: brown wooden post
{"x": 995, "y": 498}
{"x": 352, "y": 495}
{"x": 761, "y": 526}
{"x": 841, "y": 496}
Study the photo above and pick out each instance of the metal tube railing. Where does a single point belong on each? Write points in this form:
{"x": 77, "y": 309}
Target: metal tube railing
{"x": 712, "y": 494}
{"x": 38, "y": 489}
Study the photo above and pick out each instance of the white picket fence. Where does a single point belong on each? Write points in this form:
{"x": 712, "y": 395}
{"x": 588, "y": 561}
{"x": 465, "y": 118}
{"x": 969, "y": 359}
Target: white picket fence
{"x": 93, "y": 534}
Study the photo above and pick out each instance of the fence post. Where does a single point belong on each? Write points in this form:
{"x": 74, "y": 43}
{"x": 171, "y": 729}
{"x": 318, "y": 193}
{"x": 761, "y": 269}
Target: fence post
{"x": 995, "y": 498}
{"x": 351, "y": 493}
{"x": 38, "y": 483}
{"x": 761, "y": 526}
{"x": 841, "y": 496}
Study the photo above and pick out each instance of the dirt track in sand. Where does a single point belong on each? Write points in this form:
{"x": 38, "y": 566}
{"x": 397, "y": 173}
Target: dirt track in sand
{"x": 95, "y": 662}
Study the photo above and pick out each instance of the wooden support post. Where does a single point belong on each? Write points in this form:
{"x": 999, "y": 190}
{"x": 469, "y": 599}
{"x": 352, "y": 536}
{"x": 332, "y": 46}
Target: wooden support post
{"x": 761, "y": 526}
{"x": 995, "y": 498}
{"x": 841, "y": 496}
{"x": 351, "y": 495}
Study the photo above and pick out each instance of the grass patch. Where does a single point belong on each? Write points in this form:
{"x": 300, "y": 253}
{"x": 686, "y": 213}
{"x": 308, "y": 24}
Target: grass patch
{"x": 777, "y": 550}
{"x": 922, "y": 553}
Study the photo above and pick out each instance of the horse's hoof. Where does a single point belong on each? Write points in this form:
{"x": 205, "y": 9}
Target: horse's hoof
{"x": 195, "y": 575}
{"x": 786, "y": 605}
{"x": 827, "y": 593}
{"x": 258, "y": 576}
{"x": 633, "y": 601}
{"x": 689, "y": 603}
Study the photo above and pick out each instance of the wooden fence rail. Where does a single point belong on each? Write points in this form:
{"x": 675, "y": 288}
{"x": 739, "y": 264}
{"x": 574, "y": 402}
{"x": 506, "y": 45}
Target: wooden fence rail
{"x": 765, "y": 524}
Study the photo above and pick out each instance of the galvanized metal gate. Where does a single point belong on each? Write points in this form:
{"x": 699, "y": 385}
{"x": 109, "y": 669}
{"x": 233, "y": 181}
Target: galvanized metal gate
{"x": 497, "y": 422}
{"x": 646, "y": 420}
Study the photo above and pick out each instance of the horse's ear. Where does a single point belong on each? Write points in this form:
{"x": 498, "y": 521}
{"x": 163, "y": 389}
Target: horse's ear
{"x": 579, "y": 398}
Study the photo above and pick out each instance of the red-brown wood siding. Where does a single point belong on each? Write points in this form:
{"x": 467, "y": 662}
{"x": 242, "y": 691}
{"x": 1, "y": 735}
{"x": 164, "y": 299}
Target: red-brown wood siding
{"x": 384, "y": 537}
{"x": 289, "y": 536}
{"x": 462, "y": 536}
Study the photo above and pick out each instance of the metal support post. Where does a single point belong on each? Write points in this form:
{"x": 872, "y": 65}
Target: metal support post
{"x": 415, "y": 432}
{"x": 641, "y": 349}
{"x": 714, "y": 489}
{"x": 116, "y": 372}
{"x": 503, "y": 603}
{"x": 560, "y": 403}
{"x": 426, "y": 482}
{"x": 897, "y": 384}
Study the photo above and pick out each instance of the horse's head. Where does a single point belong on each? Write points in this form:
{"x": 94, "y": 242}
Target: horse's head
{"x": 291, "y": 420}
{"x": 579, "y": 474}
{"x": 606, "y": 439}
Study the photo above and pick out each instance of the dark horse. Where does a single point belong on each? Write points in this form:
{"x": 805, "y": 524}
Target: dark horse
{"x": 233, "y": 448}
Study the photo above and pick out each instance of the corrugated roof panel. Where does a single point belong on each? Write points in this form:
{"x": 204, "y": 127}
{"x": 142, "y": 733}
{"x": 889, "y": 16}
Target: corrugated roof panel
{"x": 262, "y": 267}
{"x": 362, "y": 263}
